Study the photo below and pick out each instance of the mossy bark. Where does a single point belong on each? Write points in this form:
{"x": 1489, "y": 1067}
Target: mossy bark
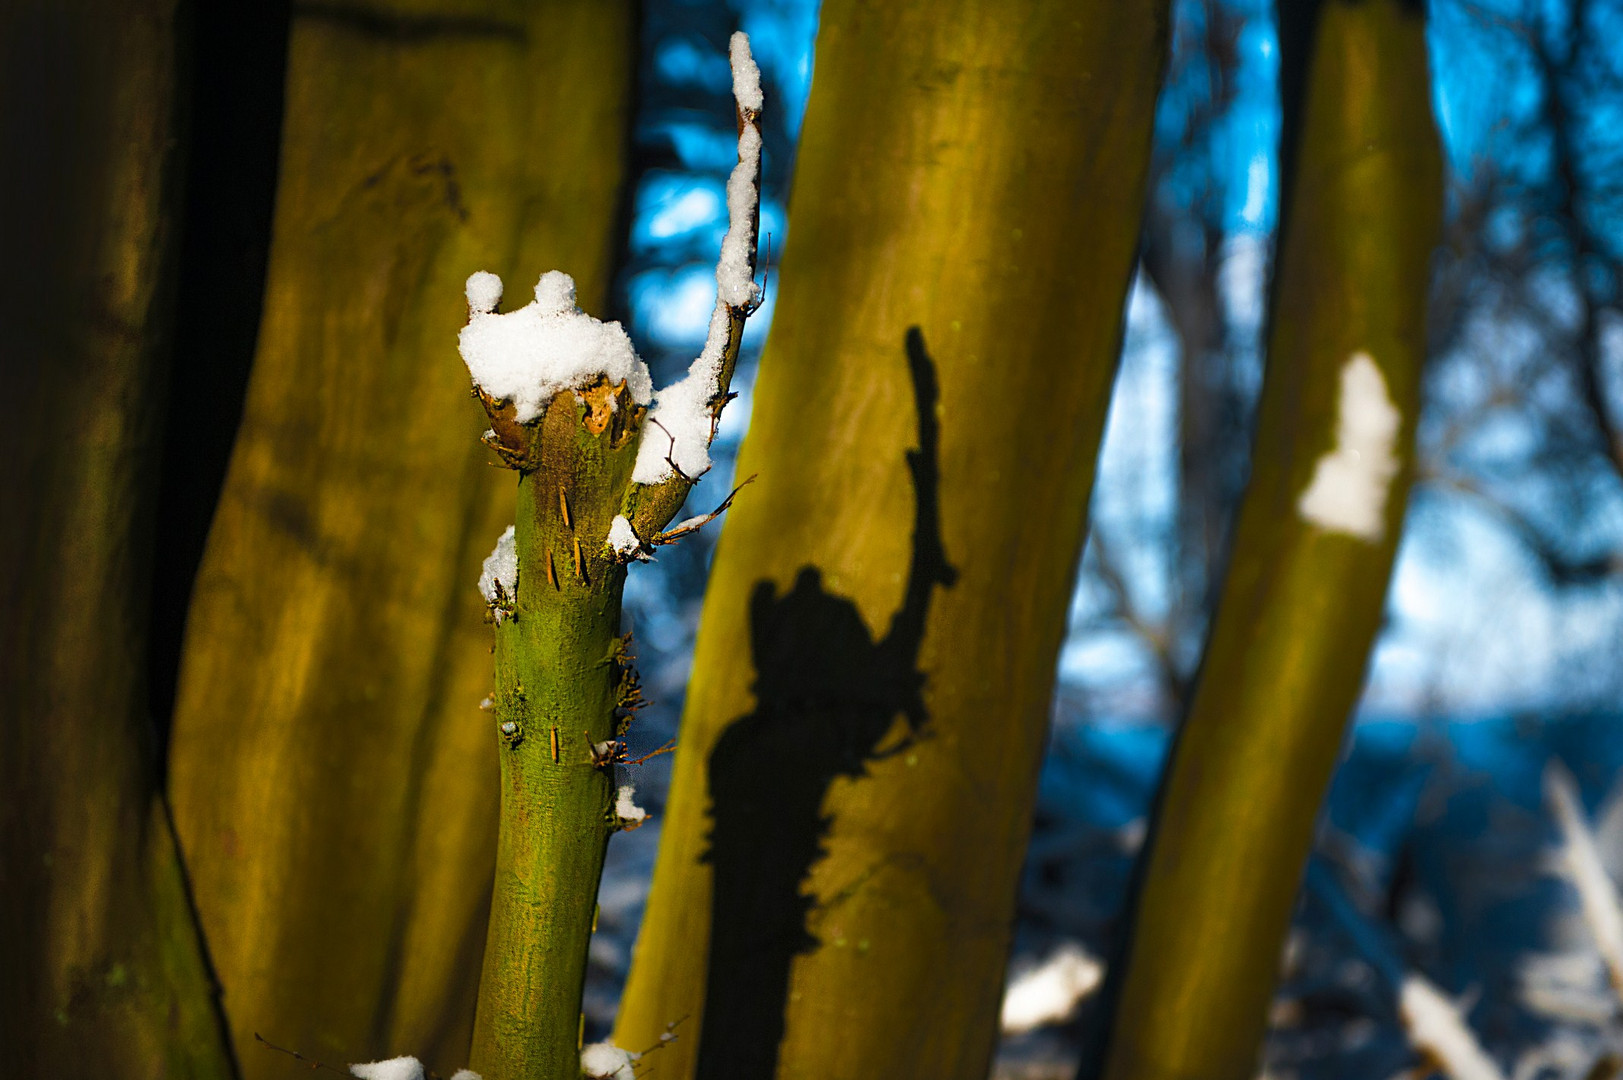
{"x": 102, "y": 972}
{"x": 560, "y": 667}
{"x": 870, "y": 695}
{"x": 331, "y": 769}
{"x": 566, "y": 687}
{"x": 1302, "y": 603}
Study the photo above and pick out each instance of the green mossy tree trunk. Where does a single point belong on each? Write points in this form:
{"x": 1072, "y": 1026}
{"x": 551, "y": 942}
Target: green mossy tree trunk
{"x": 1302, "y": 602}
{"x": 561, "y": 671}
{"x": 102, "y": 973}
{"x": 331, "y": 770}
{"x": 870, "y": 695}
{"x": 566, "y": 687}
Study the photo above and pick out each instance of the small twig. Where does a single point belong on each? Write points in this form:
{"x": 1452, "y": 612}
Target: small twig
{"x": 668, "y": 1036}
{"x": 666, "y": 749}
{"x": 694, "y": 524}
{"x": 766, "y": 273}
{"x": 1157, "y": 640}
{"x": 1560, "y": 569}
{"x": 563, "y": 508}
{"x": 312, "y": 1062}
{"x": 670, "y": 455}
{"x": 715, "y": 413}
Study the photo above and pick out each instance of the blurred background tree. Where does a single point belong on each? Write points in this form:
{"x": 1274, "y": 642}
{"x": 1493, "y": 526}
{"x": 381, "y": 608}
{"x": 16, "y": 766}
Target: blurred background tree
{"x": 332, "y": 777}
{"x": 849, "y": 804}
{"x": 1301, "y": 599}
{"x": 103, "y": 969}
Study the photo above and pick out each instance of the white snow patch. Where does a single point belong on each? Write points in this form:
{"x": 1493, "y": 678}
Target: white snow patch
{"x": 735, "y": 274}
{"x": 527, "y": 356}
{"x": 605, "y": 1061}
{"x": 484, "y": 292}
{"x": 1437, "y": 1027}
{"x": 1348, "y": 492}
{"x": 746, "y": 76}
{"x": 1050, "y": 992}
{"x": 622, "y": 538}
{"x": 1596, "y": 891}
{"x": 694, "y": 522}
{"x": 1256, "y": 192}
{"x": 555, "y": 294}
{"x": 679, "y": 426}
{"x": 1569, "y": 986}
{"x": 501, "y": 568}
{"x": 400, "y": 1068}
{"x": 466, "y": 1074}
{"x": 625, "y": 804}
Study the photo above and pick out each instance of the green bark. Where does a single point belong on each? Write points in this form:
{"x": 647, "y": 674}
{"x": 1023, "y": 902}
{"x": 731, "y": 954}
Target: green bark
{"x": 1302, "y": 602}
{"x": 330, "y": 769}
{"x": 558, "y": 674}
{"x": 565, "y": 693}
{"x": 853, "y": 788}
{"x": 103, "y": 973}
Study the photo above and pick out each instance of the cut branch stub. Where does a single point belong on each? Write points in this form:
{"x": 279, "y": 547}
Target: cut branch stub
{"x": 694, "y": 524}
{"x": 608, "y": 407}
{"x": 513, "y": 442}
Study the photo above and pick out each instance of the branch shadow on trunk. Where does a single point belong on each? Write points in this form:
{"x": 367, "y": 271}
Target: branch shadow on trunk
{"x": 827, "y": 696}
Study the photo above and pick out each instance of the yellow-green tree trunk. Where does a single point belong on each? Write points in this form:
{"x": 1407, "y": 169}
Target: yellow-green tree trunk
{"x": 332, "y": 774}
{"x": 870, "y": 693}
{"x": 566, "y": 687}
{"x": 1302, "y": 602}
{"x": 102, "y": 972}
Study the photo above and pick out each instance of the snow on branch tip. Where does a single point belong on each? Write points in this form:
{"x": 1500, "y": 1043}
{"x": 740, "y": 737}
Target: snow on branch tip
{"x": 520, "y": 359}
{"x": 686, "y": 411}
{"x": 526, "y": 356}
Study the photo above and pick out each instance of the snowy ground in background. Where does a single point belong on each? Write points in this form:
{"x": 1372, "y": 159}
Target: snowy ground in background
{"x": 1436, "y": 850}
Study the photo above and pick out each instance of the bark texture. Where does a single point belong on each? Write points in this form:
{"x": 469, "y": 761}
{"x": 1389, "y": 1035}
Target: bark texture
{"x": 870, "y": 696}
{"x": 1302, "y": 602}
{"x": 566, "y": 687}
{"x": 331, "y": 770}
{"x": 560, "y": 668}
{"x": 102, "y": 973}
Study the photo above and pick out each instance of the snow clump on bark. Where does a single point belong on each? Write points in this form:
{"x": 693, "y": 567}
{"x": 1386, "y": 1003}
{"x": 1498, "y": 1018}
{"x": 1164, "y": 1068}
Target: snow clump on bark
{"x": 527, "y": 356}
{"x": 1350, "y": 482}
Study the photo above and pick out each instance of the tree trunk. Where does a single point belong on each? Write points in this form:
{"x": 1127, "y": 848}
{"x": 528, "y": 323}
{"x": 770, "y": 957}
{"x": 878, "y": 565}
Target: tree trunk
{"x": 331, "y": 771}
{"x": 870, "y": 694}
{"x": 594, "y": 494}
{"x": 1313, "y": 551}
{"x": 103, "y": 973}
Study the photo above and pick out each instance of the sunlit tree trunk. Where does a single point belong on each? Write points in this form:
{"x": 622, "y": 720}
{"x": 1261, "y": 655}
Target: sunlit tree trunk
{"x": 870, "y": 694}
{"x": 332, "y": 773}
{"x": 1317, "y": 532}
{"x": 603, "y": 467}
{"x": 102, "y": 972}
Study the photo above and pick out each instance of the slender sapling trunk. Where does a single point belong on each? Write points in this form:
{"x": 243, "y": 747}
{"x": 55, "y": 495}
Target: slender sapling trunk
{"x": 602, "y": 470}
